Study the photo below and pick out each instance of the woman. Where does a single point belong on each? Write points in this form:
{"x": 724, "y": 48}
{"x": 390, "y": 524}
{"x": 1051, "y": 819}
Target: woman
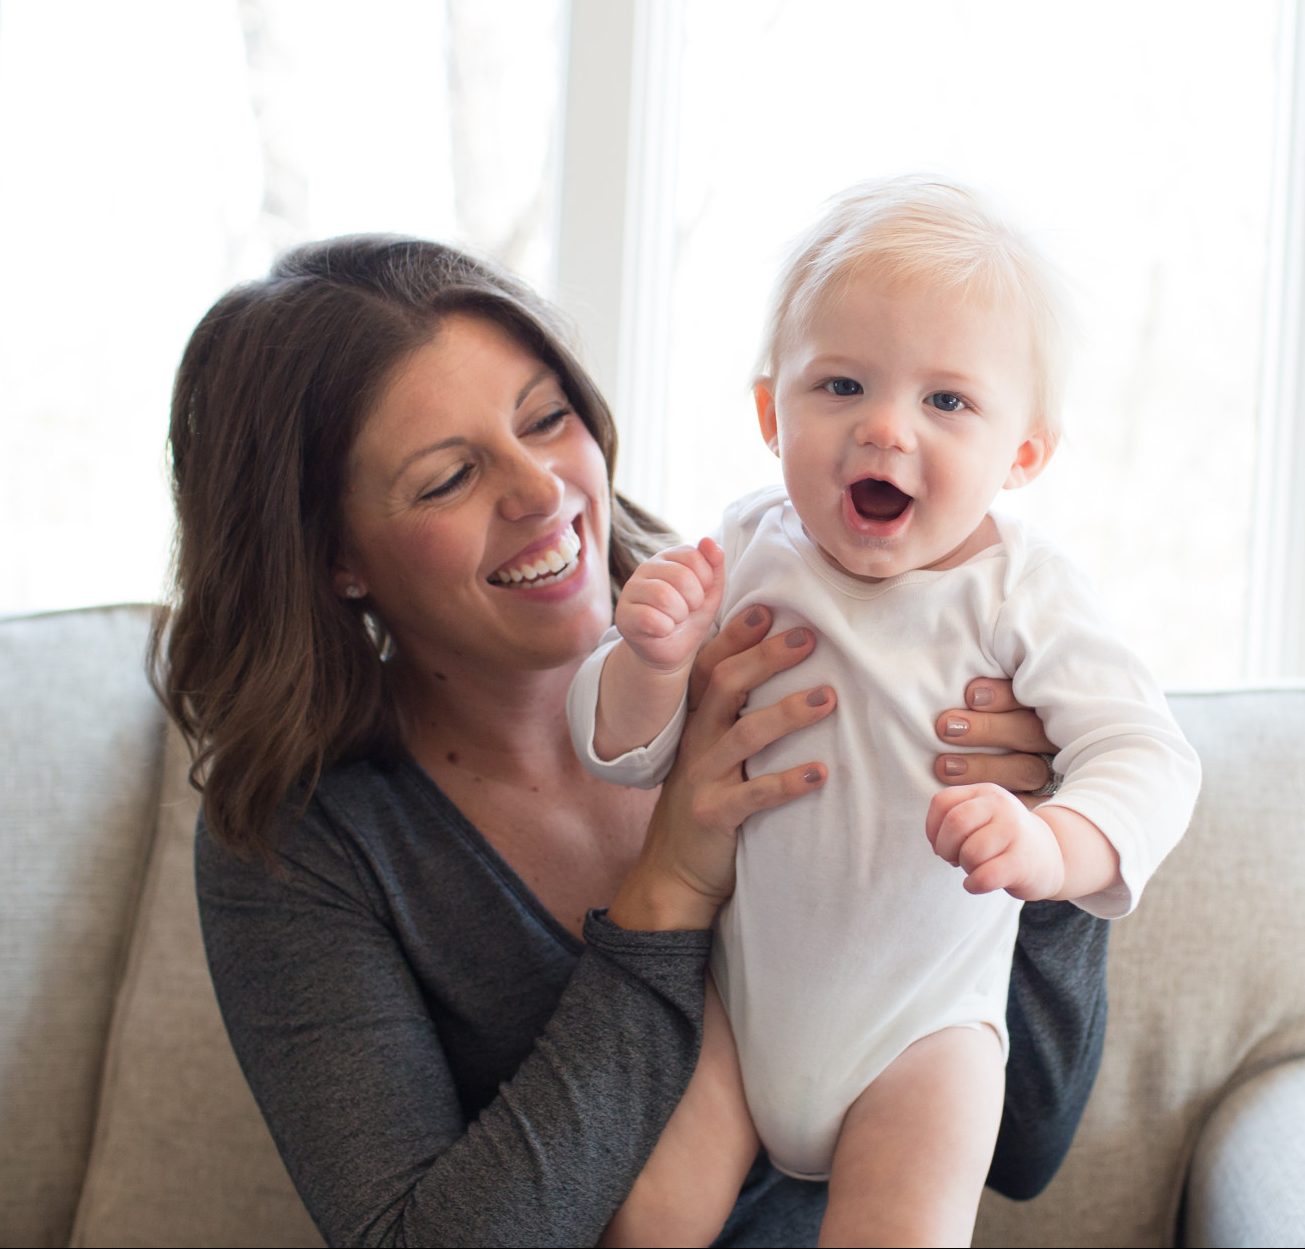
{"x": 385, "y": 449}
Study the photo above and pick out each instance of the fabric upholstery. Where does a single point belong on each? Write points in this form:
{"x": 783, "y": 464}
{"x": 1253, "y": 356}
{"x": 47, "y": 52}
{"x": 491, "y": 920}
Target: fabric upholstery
{"x": 80, "y": 750}
{"x": 1206, "y": 986}
{"x": 1247, "y": 1185}
{"x": 180, "y": 1144}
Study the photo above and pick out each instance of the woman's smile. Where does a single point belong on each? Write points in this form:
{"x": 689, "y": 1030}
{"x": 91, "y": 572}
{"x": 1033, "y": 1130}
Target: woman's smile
{"x": 542, "y": 563}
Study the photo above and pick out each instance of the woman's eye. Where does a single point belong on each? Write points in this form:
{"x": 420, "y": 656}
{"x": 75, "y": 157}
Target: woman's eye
{"x": 449, "y": 484}
{"x": 551, "y": 421}
{"x": 843, "y": 386}
{"x": 945, "y": 401}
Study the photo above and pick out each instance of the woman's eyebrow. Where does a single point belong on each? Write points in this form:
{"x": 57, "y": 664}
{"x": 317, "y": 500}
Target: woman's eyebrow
{"x": 413, "y": 456}
{"x": 544, "y": 373}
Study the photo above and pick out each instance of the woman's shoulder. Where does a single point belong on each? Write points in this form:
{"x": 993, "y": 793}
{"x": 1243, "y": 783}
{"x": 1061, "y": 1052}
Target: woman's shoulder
{"x": 375, "y": 836}
{"x": 344, "y": 828}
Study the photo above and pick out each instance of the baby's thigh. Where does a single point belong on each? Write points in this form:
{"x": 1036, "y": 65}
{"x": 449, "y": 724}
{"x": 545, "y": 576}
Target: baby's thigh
{"x": 916, "y": 1145}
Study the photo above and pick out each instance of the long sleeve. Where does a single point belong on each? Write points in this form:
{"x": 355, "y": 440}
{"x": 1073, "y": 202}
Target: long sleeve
{"x": 643, "y": 767}
{"x": 1126, "y": 764}
{"x": 496, "y": 1088}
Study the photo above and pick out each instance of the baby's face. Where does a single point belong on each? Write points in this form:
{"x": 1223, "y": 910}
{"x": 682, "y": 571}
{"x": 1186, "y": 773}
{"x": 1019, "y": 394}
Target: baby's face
{"x": 898, "y": 414}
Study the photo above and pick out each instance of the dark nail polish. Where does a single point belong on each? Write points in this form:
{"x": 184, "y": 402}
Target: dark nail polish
{"x": 817, "y": 698}
{"x": 797, "y": 637}
{"x": 754, "y": 617}
{"x": 811, "y": 775}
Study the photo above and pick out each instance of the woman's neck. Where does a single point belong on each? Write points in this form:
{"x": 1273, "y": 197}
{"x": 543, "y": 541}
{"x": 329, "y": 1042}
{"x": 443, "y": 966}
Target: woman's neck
{"x": 505, "y": 722}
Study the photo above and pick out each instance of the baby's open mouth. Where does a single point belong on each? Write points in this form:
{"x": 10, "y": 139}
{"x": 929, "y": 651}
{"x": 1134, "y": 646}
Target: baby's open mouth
{"x": 878, "y": 500}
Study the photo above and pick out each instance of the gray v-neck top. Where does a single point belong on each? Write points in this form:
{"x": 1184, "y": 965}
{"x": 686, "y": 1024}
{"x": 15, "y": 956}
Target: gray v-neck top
{"x": 442, "y": 1063}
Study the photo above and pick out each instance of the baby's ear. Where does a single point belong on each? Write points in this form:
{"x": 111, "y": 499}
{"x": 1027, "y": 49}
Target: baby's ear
{"x": 1031, "y": 457}
{"x": 764, "y": 394}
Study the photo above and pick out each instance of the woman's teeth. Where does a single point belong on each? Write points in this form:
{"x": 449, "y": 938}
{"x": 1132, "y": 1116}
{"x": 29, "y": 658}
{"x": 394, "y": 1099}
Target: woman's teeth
{"x": 555, "y": 564}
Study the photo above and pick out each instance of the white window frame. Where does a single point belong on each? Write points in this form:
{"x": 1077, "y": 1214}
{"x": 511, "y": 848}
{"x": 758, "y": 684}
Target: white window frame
{"x": 1275, "y": 643}
{"x": 616, "y": 223}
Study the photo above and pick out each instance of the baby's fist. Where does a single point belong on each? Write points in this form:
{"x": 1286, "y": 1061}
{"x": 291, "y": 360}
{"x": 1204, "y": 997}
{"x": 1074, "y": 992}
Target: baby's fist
{"x": 990, "y": 835}
{"x": 669, "y": 603}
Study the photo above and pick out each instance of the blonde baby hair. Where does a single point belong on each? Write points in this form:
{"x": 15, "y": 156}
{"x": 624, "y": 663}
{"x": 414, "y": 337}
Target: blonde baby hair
{"x": 920, "y": 230}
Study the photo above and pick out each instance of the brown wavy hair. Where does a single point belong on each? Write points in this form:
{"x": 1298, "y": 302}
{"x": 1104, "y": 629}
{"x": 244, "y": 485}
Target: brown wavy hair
{"x": 271, "y": 676}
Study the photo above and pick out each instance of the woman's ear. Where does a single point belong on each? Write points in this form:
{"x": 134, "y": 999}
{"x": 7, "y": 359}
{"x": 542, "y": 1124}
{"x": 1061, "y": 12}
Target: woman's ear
{"x": 764, "y": 395}
{"x": 1031, "y": 457}
{"x": 345, "y": 583}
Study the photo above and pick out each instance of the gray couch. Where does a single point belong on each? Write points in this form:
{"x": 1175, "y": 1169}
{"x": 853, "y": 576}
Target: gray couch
{"x": 124, "y": 1119}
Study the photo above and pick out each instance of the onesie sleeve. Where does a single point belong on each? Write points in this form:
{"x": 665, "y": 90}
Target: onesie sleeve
{"x": 339, "y": 1043}
{"x": 643, "y": 767}
{"x": 647, "y": 766}
{"x": 1126, "y": 764}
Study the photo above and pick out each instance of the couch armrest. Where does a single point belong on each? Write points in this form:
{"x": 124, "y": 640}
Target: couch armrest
{"x": 1247, "y": 1182}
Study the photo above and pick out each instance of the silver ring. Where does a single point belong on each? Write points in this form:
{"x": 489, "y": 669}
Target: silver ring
{"x": 1053, "y": 782}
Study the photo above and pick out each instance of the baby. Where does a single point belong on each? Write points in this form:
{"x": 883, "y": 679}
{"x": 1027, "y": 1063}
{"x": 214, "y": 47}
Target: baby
{"x": 912, "y": 371}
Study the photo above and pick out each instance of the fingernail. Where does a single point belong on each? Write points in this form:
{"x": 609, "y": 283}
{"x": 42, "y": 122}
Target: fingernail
{"x": 953, "y": 765}
{"x": 811, "y": 775}
{"x": 981, "y": 696}
{"x": 754, "y": 617}
{"x": 797, "y": 637}
{"x": 817, "y": 698}
{"x": 956, "y": 727}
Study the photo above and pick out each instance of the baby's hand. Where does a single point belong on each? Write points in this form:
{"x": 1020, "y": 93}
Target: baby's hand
{"x": 667, "y": 607}
{"x": 997, "y": 841}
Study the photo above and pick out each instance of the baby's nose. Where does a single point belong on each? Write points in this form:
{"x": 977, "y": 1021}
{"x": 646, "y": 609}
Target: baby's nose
{"x": 885, "y": 423}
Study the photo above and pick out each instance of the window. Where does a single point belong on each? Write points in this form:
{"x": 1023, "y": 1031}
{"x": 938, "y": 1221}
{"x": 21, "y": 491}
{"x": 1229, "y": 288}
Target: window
{"x": 1136, "y": 142}
{"x": 157, "y": 153}
{"x": 645, "y": 162}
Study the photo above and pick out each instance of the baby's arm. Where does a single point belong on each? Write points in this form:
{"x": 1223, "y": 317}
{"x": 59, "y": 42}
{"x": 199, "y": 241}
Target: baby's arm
{"x": 665, "y": 613}
{"x": 1131, "y": 778}
{"x": 1049, "y": 853}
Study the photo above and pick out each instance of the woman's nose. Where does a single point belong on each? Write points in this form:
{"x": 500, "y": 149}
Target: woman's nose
{"x": 885, "y": 423}
{"x": 530, "y": 488}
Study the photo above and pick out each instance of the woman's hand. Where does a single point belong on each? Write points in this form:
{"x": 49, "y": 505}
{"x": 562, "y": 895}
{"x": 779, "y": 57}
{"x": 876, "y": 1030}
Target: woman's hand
{"x": 686, "y": 869}
{"x": 991, "y": 717}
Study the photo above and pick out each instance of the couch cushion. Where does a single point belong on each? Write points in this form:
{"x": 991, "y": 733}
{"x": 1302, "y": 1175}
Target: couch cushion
{"x": 1205, "y": 984}
{"x": 79, "y": 776}
{"x": 1247, "y": 1185}
{"x": 181, "y": 1155}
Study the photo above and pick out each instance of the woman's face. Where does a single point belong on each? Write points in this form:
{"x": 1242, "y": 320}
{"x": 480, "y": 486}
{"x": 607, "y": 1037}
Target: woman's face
{"x": 476, "y": 514}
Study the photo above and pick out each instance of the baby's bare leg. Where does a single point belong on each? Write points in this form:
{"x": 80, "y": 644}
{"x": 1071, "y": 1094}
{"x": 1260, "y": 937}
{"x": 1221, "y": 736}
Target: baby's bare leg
{"x": 915, "y": 1146}
{"x": 690, "y": 1183}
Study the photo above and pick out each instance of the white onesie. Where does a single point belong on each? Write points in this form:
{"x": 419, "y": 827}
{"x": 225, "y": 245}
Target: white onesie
{"x": 847, "y": 938}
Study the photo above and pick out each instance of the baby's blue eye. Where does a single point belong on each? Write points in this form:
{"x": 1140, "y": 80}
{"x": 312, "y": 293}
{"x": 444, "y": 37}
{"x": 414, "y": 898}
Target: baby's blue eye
{"x": 945, "y": 401}
{"x": 843, "y": 386}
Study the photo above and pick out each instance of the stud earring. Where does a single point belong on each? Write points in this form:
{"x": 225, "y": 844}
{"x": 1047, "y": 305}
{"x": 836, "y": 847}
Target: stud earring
{"x": 353, "y": 591}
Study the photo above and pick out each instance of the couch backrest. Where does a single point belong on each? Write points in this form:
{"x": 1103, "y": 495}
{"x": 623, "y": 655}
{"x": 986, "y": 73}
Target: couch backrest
{"x": 79, "y": 781}
{"x": 1206, "y": 988}
{"x": 124, "y": 1118}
